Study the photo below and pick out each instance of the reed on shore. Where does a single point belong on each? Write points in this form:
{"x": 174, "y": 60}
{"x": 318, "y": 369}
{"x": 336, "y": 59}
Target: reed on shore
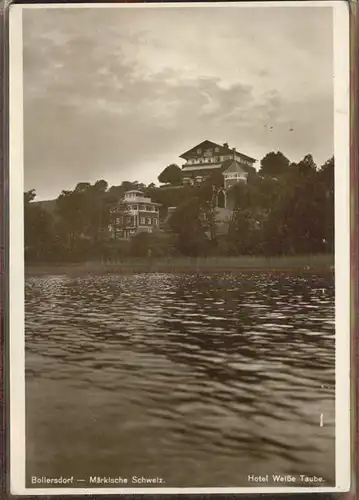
{"x": 318, "y": 262}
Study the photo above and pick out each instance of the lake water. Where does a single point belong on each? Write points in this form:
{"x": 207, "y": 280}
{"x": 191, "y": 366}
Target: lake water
{"x": 198, "y": 379}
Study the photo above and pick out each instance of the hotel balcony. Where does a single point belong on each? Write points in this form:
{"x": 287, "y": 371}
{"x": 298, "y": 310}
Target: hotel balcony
{"x": 200, "y": 166}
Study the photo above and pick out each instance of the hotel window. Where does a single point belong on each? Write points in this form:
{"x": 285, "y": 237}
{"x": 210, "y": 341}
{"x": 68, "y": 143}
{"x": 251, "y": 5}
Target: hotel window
{"x": 199, "y": 151}
{"x": 216, "y": 150}
{"x": 155, "y": 222}
{"x": 128, "y": 220}
{"x": 142, "y": 220}
{"x": 148, "y": 220}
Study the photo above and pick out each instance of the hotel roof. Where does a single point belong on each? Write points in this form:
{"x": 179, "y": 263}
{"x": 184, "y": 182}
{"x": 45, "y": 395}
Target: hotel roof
{"x": 223, "y": 149}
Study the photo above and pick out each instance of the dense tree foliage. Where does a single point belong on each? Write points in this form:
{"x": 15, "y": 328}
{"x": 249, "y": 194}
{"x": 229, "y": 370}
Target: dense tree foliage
{"x": 287, "y": 208}
{"x": 171, "y": 175}
{"x": 274, "y": 164}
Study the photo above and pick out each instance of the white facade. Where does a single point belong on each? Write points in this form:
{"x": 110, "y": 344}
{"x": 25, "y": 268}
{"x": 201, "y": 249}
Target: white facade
{"x": 137, "y": 213}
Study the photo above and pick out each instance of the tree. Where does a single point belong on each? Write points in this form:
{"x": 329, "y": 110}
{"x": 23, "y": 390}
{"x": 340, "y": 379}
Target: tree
{"x": 289, "y": 209}
{"x": 171, "y": 175}
{"x": 187, "y": 222}
{"x": 304, "y": 168}
{"x": 239, "y": 231}
{"x": 295, "y": 222}
{"x": 39, "y": 234}
{"x": 326, "y": 180}
{"x": 72, "y": 213}
{"x": 29, "y": 196}
{"x": 85, "y": 215}
{"x": 154, "y": 244}
{"x": 248, "y": 216}
{"x": 326, "y": 175}
{"x": 274, "y": 164}
{"x": 100, "y": 186}
{"x": 170, "y": 197}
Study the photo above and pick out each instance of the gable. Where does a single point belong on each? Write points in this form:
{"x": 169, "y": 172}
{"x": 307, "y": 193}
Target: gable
{"x": 194, "y": 152}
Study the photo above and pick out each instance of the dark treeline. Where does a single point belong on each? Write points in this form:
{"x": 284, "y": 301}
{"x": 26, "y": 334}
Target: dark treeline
{"x": 285, "y": 209}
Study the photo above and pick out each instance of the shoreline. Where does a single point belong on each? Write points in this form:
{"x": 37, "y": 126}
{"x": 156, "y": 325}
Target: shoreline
{"x": 302, "y": 263}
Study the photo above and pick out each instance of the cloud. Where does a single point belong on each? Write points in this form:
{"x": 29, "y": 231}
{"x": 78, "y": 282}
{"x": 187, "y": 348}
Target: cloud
{"x": 120, "y": 93}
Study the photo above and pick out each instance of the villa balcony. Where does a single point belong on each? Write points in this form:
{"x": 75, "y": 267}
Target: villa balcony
{"x": 142, "y": 208}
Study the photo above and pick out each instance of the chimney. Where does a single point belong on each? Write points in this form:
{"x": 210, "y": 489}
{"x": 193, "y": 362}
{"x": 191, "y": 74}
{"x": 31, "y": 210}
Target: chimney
{"x": 234, "y": 153}
{"x": 225, "y": 145}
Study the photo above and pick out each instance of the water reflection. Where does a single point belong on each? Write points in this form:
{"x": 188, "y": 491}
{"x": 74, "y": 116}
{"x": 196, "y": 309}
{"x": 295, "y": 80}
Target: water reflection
{"x": 201, "y": 380}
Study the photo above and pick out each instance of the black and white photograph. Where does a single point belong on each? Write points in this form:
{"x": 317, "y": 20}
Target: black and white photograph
{"x": 179, "y": 248}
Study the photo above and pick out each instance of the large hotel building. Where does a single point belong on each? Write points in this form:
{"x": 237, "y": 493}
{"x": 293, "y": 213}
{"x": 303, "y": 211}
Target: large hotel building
{"x": 205, "y": 158}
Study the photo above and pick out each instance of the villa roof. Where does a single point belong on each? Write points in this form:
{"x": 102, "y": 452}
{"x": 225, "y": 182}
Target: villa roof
{"x": 139, "y": 198}
{"x": 134, "y": 191}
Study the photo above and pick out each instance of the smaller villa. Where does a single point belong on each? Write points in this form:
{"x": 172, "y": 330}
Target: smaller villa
{"x": 134, "y": 214}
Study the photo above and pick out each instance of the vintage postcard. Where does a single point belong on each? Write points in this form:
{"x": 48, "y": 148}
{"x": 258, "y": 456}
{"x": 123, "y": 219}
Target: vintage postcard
{"x": 179, "y": 248}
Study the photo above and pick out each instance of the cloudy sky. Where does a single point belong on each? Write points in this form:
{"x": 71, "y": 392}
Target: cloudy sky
{"x": 120, "y": 93}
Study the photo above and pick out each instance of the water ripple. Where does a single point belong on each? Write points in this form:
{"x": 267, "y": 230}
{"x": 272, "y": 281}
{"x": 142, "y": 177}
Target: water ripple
{"x": 162, "y": 374}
